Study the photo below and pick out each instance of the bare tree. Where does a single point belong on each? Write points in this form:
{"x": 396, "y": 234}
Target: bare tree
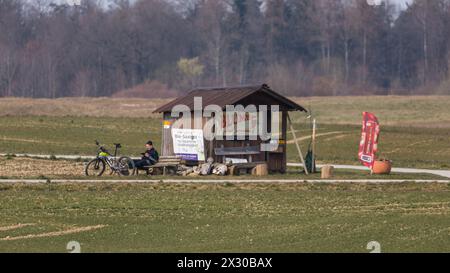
{"x": 321, "y": 46}
{"x": 210, "y": 20}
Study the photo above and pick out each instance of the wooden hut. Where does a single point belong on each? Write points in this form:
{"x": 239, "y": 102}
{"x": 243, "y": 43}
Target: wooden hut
{"x": 246, "y": 149}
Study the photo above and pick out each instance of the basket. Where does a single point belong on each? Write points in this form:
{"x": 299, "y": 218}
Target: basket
{"x": 382, "y": 167}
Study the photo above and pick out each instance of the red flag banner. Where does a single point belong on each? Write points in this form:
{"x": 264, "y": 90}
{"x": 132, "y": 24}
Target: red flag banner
{"x": 369, "y": 139}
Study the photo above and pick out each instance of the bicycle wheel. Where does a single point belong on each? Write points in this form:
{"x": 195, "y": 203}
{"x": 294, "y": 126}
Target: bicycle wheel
{"x": 126, "y": 166}
{"x": 95, "y": 168}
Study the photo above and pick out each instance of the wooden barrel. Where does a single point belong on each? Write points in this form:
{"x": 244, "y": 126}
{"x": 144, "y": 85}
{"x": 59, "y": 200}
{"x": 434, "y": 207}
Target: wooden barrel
{"x": 261, "y": 170}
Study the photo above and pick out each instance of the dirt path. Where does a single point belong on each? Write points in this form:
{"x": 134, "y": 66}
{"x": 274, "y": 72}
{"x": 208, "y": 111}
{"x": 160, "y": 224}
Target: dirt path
{"x": 7, "y": 228}
{"x": 318, "y": 135}
{"x": 54, "y": 233}
{"x": 443, "y": 173}
{"x": 220, "y": 181}
{"x": 79, "y": 166}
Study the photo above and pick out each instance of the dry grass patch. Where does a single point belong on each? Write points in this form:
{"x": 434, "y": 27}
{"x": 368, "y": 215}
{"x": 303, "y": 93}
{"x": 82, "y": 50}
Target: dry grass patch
{"x": 418, "y": 111}
{"x": 28, "y": 167}
{"x": 404, "y": 111}
{"x": 53, "y": 233}
{"x": 92, "y": 107}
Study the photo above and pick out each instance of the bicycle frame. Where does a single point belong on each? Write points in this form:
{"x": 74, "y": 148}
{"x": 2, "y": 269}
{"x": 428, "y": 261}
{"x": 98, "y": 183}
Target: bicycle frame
{"x": 110, "y": 160}
{"x": 123, "y": 166}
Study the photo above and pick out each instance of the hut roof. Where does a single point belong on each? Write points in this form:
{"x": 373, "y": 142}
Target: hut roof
{"x": 224, "y": 96}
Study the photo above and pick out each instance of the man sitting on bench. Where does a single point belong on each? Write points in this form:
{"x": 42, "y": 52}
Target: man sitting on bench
{"x": 149, "y": 158}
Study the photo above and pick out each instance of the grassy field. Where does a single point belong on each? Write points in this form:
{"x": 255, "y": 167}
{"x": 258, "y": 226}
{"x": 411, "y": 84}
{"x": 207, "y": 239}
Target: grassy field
{"x": 225, "y": 218}
{"x": 416, "y": 111}
{"x": 76, "y": 135}
{"x": 406, "y": 146}
{"x": 412, "y": 111}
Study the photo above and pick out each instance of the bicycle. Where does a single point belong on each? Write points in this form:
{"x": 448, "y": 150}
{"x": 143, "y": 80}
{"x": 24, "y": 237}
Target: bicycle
{"x": 124, "y": 166}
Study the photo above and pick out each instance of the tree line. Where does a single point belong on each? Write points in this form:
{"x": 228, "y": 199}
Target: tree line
{"x": 299, "y": 47}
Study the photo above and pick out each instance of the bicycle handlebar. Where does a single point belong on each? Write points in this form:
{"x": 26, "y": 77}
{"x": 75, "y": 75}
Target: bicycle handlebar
{"x": 103, "y": 149}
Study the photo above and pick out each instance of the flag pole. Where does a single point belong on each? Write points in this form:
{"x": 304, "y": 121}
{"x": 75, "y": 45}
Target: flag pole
{"x": 299, "y": 150}
{"x": 313, "y": 168}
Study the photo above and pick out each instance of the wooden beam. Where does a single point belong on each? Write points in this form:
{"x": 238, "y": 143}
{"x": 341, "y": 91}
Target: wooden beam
{"x": 299, "y": 150}
{"x": 314, "y": 146}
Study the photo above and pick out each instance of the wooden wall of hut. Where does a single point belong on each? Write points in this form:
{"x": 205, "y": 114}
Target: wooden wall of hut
{"x": 276, "y": 160}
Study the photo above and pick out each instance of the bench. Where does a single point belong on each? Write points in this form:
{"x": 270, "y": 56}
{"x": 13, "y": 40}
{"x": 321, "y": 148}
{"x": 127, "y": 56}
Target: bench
{"x": 248, "y": 151}
{"x": 238, "y": 168}
{"x": 165, "y": 163}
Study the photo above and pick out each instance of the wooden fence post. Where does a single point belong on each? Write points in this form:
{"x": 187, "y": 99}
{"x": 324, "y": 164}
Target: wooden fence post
{"x": 299, "y": 150}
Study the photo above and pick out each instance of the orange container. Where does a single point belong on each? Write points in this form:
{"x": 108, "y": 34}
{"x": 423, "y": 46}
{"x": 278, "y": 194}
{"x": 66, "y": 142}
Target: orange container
{"x": 382, "y": 167}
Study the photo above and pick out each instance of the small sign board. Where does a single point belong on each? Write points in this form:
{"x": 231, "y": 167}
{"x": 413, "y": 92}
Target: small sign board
{"x": 167, "y": 124}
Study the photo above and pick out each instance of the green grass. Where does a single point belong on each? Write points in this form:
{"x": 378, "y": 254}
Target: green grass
{"x": 75, "y": 135}
{"x": 229, "y": 218}
{"x": 405, "y": 111}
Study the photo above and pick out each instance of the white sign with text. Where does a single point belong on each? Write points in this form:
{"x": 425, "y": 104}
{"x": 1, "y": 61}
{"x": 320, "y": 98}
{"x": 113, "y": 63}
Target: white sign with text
{"x": 189, "y": 144}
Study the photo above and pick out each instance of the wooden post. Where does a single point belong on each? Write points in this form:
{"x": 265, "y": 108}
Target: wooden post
{"x": 284, "y": 138}
{"x": 300, "y": 154}
{"x": 314, "y": 146}
{"x": 260, "y": 170}
{"x": 327, "y": 172}
{"x": 167, "y": 141}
